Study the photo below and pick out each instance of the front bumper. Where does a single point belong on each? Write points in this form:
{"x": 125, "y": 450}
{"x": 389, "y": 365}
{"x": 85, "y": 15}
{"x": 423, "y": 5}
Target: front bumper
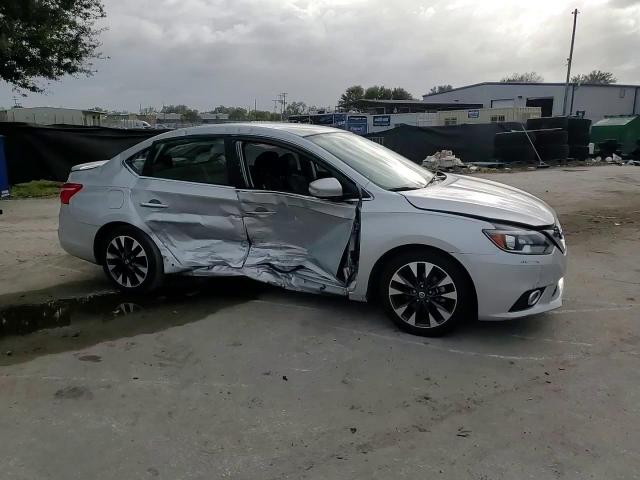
{"x": 501, "y": 278}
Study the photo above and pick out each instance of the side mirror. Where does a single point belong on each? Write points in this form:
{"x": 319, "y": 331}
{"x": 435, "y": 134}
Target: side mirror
{"x": 326, "y": 188}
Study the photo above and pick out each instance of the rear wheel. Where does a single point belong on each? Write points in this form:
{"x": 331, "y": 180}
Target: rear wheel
{"x": 425, "y": 293}
{"x": 132, "y": 261}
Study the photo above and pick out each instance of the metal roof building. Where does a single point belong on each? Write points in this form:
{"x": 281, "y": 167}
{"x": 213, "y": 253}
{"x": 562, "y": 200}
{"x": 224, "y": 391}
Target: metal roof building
{"x": 588, "y": 100}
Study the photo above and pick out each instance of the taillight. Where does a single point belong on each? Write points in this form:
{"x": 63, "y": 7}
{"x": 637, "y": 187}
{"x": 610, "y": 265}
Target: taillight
{"x": 68, "y": 190}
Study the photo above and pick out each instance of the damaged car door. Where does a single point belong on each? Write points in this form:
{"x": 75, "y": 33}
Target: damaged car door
{"x": 297, "y": 241}
{"x": 187, "y": 197}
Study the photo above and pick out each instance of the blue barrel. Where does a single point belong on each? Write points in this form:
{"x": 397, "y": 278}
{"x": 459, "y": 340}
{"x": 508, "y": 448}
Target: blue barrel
{"x": 4, "y": 175}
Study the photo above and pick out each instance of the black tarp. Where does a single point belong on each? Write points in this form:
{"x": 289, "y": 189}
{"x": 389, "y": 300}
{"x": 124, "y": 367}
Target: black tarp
{"x": 36, "y": 152}
{"x": 470, "y": 143}
{"x": 48, "y": 152}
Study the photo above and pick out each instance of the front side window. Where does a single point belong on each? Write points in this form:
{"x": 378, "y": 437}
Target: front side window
{"x": 279, "y": 169}
{"x": 195, "y": 160}
{"x": 384, "y": 167}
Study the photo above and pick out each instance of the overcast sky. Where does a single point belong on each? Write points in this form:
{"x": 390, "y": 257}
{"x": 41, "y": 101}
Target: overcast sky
{"x": 205, "y": 53}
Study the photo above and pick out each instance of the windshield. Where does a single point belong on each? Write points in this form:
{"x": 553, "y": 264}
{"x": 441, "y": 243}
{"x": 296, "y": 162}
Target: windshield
{"x": 382, "y": 166}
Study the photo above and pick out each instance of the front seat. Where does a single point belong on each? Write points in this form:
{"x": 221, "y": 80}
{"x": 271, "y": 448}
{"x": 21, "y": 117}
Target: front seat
{"x": 270, "y": 172}
{"x": 297, "y": 181}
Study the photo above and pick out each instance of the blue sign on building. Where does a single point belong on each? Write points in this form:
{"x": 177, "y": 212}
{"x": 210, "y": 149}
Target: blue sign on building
{"x": 473, "y": 114}
{"x": 357, "y": 124}
{"x": 4, "y": 176}
{"x": 359, "y": 129}
{"x": 381, "y": 120}
{"x": 340, "y": 120}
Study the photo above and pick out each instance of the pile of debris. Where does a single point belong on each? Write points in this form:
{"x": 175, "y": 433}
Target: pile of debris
{"x": 443, "y": 160}
{"x": 446, "y": 160}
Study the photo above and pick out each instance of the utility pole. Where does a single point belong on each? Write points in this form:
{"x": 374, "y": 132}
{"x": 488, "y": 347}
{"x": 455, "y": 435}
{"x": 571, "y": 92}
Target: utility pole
{"x": 284, "y": 104}
{"x": 255, "y": 109}
{"x": 569, "y": 60}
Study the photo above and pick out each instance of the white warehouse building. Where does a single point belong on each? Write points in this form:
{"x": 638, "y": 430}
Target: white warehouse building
{"x": 589, "y": 101}
{"x": 52, "y": 116}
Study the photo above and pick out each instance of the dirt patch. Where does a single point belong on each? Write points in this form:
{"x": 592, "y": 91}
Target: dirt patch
{"x": 582, "y": 225}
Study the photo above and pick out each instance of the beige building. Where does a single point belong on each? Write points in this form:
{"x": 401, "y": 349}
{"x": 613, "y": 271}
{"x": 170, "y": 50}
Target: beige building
{"x": 488, "y": 115}
{"x": 52, "y": 116}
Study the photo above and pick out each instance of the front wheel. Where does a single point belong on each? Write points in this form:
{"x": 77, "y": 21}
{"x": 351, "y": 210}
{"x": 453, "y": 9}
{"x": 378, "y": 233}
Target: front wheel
{"x": 425, "y": 293}
{"x": 132, "y": 261}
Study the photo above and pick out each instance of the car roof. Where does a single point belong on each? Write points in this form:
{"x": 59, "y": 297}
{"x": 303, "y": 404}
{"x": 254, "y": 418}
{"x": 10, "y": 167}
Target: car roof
{"x": 298, "y": 129}
{"x": 282, "y": 131}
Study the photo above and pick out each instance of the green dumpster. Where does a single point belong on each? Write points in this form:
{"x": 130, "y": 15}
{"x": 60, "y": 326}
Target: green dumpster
{"x": 624, "y": 129}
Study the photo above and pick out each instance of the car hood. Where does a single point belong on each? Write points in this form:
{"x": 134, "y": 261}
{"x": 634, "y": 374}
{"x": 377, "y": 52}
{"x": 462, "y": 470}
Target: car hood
{"x": 479, "y": 198}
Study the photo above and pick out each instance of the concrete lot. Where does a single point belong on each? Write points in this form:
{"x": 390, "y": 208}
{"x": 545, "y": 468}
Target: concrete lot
{"x": 232, "y": 379}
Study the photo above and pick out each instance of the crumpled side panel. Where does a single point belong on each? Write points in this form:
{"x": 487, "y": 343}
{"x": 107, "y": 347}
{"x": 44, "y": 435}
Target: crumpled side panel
{"x": 202, "y": 225}
{"x": 292, "y": 241}
{"x": 296, "y": 231}
{"x": 300, "y": 280}
{"x": 192, "y": 248}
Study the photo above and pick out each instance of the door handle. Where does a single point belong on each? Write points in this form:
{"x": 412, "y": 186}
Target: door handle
{"x": 261, "y": 211}
{"x": 153, "y": 204}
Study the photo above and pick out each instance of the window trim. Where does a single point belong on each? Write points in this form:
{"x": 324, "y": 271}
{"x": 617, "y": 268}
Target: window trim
{"x": 153, "y": 148}
{"x": 240, "y": 140}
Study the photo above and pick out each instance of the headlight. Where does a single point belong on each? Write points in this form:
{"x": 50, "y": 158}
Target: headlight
{"x": 524, "y": 242}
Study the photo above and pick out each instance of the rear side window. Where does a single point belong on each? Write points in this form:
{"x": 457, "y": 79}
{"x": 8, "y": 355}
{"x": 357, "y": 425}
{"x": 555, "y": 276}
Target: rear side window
{"x": 196, "y": 160}
{"x": 136, "y": 162}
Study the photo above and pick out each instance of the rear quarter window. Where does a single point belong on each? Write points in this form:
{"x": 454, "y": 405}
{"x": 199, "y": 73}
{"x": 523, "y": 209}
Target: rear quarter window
{"x": 136, "y": 161}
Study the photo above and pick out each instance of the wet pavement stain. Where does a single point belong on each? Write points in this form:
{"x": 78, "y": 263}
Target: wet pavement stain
{"x": 31, "y": 330}
{"x": 73, "y": 393}
{"x": 90, "y": 358}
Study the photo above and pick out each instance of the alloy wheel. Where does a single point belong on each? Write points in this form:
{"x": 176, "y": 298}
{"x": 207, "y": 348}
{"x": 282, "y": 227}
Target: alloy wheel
{"x": 422, "y": 294}
{"x": 127, "y": 261}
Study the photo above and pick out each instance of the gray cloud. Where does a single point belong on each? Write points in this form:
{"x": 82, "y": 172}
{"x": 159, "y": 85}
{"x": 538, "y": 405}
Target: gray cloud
{"x": 210, "y": 52}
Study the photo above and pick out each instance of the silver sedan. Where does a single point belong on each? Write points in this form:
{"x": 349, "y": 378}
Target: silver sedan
{"x": 318, "y": 210}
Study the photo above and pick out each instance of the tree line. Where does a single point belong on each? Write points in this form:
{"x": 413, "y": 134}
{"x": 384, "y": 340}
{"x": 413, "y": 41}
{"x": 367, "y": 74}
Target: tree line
{"x": 596, "y": 77}
{"x": 193, "y": 115}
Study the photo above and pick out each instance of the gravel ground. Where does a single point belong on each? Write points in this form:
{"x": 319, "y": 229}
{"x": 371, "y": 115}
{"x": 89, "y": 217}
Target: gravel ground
{"x": 232, "y": 379}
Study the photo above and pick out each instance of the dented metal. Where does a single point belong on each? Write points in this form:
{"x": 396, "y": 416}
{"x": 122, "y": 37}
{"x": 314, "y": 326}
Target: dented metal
{"x": 201, "y": 226}
{"x": 288, "y": 240}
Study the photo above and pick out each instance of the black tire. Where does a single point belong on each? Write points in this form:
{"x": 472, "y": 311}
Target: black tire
{"x": 578, "y": 129}
{"x": 551, "y": 137}
{"x": 547, "y": 122}
{"x": 131, "y": 260}
{"x": 553, "y": 152}
{"x": 582, "y": 140}
{"x": 398, "y": 298}
{"x": 578, "y": 152}
{"x": 524, "y": 154}
{"x": 513, "y": 139}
